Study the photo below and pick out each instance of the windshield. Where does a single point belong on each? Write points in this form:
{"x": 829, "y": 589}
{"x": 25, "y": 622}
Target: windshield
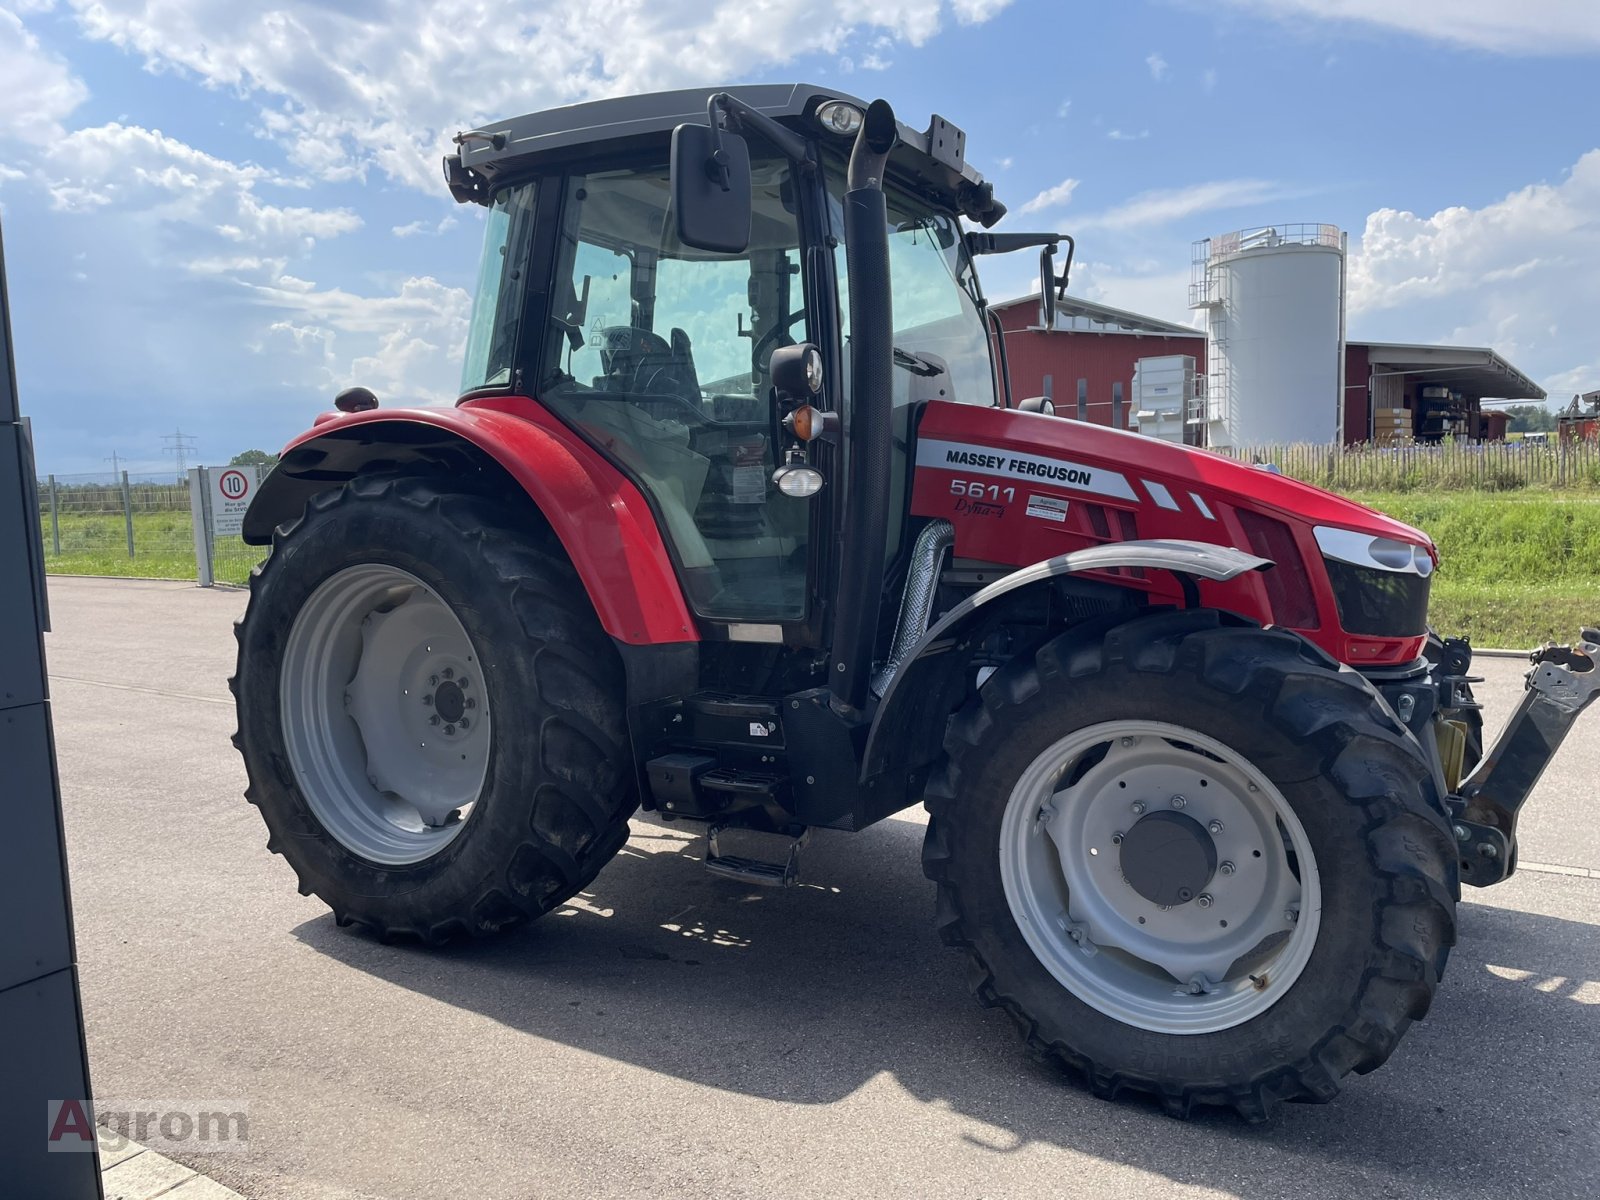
{"x": 940, "y": 340}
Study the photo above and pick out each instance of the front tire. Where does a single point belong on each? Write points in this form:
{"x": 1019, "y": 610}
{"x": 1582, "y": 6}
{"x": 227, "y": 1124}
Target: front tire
{"x": 430, "y": 715}
{"x": 1285, "y": 799}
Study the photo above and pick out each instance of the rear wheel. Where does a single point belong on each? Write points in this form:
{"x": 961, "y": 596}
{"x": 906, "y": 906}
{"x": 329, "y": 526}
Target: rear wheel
{"x": 1193, "y": 859}
{"x": 430, "y": 715}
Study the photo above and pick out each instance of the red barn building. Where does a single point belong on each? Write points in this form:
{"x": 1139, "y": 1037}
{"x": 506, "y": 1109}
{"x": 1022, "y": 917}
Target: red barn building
{"x": 1393, "y": 392}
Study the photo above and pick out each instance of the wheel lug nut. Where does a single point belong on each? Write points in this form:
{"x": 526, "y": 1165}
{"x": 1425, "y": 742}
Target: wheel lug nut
{"x": 1226, "y": 868}
{"x": 1215, "y": 827}
{"x": 1178, "y": 802}
{"x": 471, "y": 703}
{"x": 433, "y": 681}
{"x": 1138, "y": 807}
{"x": 428, "y": 700}
{"x": 464, "y": 682}
{"x": 1203, "y": 899}
{"x": 448, "y": 673}
{"x": 1116, "y": 838}
{"x": 450, "y": 729}
{"x": 463, "y": 722}
{"x": 433, "y": 720}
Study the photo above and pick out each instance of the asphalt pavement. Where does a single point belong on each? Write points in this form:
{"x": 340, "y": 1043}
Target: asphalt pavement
{"x": 672, "y": 1034}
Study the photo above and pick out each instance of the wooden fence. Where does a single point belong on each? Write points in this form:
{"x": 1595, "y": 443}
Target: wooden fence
{"x": 1458, "y": 466}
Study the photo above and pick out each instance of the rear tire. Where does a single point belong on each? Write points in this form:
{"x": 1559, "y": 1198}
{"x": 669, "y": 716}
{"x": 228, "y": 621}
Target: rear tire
{"x": 1317, "y": 735}
{"x": 541, "y": 797}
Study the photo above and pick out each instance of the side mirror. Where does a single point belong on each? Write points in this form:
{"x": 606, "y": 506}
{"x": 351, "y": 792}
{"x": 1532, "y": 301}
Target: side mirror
{"x": 1047, "y": 286}
{"x": 711, "y": 189}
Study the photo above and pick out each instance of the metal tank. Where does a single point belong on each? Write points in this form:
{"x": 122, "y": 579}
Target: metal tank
{"x": 1274, "y": 302}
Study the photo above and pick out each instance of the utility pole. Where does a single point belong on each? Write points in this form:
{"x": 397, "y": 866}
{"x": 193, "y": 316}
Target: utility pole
{"x": 180, "y": 445}
{"x": 116, "y": 463}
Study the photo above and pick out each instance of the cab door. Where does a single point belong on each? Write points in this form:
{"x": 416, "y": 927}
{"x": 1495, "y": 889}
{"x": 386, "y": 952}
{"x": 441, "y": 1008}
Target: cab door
{"x": 658, "y": 355}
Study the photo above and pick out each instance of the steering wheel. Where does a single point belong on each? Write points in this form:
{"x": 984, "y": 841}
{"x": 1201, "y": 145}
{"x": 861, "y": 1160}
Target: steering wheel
{"x": 777, "y": 334}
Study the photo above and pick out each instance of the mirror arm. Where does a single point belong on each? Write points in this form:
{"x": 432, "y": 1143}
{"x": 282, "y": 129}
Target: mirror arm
{"x": 741, "y": 116}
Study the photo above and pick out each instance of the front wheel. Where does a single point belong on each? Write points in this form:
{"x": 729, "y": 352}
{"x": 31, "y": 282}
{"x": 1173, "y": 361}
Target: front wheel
{"x": 1194, "y": 859}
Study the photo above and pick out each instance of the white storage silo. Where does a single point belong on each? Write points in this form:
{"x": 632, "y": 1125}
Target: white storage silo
{"x": 1274, "y": 301}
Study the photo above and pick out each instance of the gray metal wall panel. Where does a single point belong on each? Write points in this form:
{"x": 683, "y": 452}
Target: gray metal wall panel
{"x": 21, "y": 654}
{"x": 42, "y": 1061}
{"x": 32, "y": 879}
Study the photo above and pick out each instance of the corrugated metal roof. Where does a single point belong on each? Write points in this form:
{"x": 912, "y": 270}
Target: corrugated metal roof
{"x": 1076, "y": 315}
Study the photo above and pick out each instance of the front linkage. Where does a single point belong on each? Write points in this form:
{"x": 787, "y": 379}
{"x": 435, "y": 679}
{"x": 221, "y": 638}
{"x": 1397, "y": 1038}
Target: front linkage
{"x": 1563, "y": 681}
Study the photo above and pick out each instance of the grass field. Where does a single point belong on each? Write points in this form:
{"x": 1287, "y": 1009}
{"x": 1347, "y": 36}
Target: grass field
{"x": 1518, "y": 568}
{"x": 163, "y": 545}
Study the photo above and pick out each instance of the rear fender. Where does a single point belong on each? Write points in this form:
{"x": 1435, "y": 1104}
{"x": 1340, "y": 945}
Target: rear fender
{"x": 908, "y": 729}
{"x": 602, "y": 521}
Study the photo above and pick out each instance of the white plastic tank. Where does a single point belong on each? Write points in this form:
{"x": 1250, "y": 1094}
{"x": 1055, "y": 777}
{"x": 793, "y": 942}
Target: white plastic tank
{"x": 1274, "y": 301}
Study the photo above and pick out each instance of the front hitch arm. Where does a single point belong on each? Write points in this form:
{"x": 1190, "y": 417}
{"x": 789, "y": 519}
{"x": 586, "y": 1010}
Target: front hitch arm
{"x": 1563, "y": 682}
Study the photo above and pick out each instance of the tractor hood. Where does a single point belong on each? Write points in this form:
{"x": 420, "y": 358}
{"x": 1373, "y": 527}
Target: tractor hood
{"x": 1022, "y": 487}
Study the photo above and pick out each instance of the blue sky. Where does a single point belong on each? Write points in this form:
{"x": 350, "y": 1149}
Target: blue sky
{"x": 218, "y": 213}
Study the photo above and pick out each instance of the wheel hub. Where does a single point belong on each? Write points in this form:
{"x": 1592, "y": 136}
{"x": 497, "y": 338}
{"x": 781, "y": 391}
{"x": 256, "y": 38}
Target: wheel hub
{"x": 450, "y": 702}
{"x": 1168, "y": 858}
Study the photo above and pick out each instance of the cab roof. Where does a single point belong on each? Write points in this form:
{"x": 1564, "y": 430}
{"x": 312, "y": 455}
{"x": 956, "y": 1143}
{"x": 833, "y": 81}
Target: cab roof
{"x": 935, "y": 156}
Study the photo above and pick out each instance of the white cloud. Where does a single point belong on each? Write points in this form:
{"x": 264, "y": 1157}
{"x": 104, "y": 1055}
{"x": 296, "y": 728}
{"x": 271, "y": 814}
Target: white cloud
{"x": 143, "y": 177}
{"x": 1157, "y": 65}
{"x": 1063, "y": 109}
{"x": 346, "y": 94}
{"x": 415, "y": 228}
{"x": 406, "y": 346}
{"x": 1054, "y": 197}
{"x": 1518, "y": 275}
{"x": 40, "y": 90}
{"x": 1165, "y": 205}
{"x": 1122, "y": 135}
{"x": 1559, "y": 27}
{"x": 1208, "y": 79}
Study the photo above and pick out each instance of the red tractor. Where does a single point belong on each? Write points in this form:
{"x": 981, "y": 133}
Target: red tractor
{"x": 731, "y": 524}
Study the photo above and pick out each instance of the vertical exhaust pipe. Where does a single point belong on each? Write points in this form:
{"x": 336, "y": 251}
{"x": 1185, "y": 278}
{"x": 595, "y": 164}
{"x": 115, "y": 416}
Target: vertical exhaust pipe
{"x": 868, "y": 439}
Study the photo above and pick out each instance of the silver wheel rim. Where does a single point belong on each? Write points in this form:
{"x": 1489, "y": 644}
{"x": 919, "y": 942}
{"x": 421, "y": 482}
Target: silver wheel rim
{"x": 1216, "y": 961}
{"x": 384, "y": 713}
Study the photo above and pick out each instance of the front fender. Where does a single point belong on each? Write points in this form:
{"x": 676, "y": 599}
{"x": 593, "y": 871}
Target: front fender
{"x": 601, "y": 519}
{"x": 908, "y": 728}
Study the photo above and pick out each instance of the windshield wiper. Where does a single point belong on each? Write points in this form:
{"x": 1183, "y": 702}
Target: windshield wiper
{"x": 915, "y": 363}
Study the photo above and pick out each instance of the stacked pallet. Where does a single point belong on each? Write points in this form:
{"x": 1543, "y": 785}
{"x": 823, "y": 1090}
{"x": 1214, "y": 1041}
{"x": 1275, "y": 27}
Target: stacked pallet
{"x": 1391, "y": 426}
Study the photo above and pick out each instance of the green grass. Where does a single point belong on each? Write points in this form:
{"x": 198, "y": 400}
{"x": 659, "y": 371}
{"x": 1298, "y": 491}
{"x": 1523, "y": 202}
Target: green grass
{"x": 163, "y": 545}
{"x": 1515, "y": 569}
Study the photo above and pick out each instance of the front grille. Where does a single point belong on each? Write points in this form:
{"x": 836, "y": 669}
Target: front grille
{"x": 1384, "y": 603}
{"x": 1288, "y": 587}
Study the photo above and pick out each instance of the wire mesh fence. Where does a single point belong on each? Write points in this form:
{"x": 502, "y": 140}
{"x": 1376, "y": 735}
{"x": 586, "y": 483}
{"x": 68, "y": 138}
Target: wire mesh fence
{"x": 130, "y": 525}
{"x": 1450, "y": 466}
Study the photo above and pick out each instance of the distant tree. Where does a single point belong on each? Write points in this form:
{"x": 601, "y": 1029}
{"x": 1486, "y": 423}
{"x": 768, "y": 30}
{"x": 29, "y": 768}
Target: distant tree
{"x": 1531, "y": 418}
{"x": 254, "y": 458}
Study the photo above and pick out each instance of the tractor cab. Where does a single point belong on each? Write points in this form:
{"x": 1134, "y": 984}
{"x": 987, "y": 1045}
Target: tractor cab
{"x": 656, "y": 341}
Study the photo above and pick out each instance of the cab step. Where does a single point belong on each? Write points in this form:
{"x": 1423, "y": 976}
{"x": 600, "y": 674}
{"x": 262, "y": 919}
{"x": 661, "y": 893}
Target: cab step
{"x": 746, "y": 867}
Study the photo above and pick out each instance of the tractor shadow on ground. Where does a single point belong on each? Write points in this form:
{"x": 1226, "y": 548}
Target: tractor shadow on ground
{"x": 807, "y": 994}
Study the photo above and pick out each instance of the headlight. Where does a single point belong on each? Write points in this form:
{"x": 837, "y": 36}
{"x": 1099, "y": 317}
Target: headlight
{"x": 838, "y": 117}
{"x": 1381, "y": 553}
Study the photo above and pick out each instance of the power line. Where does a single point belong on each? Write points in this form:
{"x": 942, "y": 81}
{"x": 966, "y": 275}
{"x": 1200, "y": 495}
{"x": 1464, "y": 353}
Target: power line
{"x": 116, "y": 463}
{"x": 180, "y": 445}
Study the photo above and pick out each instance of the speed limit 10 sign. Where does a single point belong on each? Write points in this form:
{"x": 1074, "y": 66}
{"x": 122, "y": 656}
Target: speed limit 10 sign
{"x": 232, "y": 489}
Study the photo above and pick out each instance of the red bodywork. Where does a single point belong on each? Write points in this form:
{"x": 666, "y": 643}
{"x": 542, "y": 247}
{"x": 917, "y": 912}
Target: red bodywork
{"x": 604, "y": 523}
{"x": 1021, "y": 487}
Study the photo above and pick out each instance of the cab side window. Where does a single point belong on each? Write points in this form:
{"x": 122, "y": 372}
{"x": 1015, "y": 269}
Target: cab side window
{"x": 659, "y": 355}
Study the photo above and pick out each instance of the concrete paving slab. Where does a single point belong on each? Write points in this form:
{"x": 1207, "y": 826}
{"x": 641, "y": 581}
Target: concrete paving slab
{"x": 671, "y": 1034}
